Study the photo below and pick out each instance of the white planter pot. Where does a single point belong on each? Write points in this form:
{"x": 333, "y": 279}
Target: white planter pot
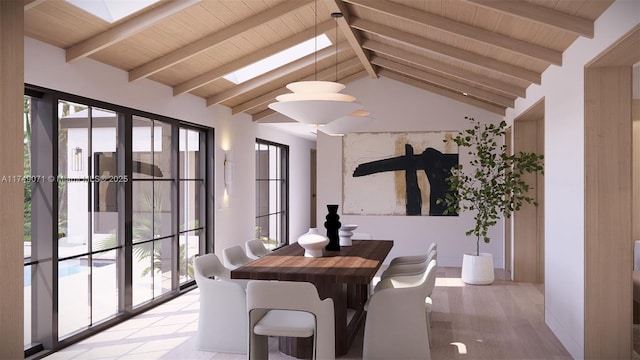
{"x": 477, "y": 270}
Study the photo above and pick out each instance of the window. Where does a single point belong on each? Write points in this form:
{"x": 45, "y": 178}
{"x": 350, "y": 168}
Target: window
{"x": 279, "y": 59}
{"x": 272, "y": 193}
{"x": 192, "y": 206}
{"x": 112, "y": 10}
{"x": 115, "y": 209}
{"x": 88, "y": 242}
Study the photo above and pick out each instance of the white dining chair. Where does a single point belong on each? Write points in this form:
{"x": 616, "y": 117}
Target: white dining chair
{"x": 396, "y": 326}
{"x": 415, "y": 259}
{"x": 222, "y": 319}
{"x": 234, "y": 257}
{"x": 409, "y": 280}
{"x": 409, "y": 268}
{"x": 255, "y": 248}
{"x": 292, "y": 309}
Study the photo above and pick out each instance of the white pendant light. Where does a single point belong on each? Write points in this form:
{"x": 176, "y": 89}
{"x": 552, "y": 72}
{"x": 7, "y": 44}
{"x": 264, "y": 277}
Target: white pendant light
{"x": 347, "y": 124}
{"x": 316, "y": 102}
{"x": 315, "y": 112}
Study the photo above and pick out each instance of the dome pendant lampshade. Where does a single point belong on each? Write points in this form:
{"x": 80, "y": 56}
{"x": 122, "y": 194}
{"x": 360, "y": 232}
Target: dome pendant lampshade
{"x": 315, "y": 102}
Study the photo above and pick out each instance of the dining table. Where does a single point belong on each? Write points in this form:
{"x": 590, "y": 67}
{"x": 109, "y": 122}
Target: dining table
{"x": 344, "y": 276}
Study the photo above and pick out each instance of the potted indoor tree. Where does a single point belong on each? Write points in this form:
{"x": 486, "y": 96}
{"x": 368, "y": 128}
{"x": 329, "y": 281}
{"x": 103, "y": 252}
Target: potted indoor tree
{"x": 492, "y": 186}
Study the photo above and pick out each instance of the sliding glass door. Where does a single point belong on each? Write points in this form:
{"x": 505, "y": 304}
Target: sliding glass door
{"x": 89, "y": 247}
{"x": 115, "y": 213}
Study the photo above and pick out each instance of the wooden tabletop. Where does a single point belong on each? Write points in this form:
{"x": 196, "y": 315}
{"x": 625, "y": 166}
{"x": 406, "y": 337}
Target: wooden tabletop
{"x": 356, "y": 264}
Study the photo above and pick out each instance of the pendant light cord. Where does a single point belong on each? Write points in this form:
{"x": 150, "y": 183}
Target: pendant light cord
{"x": 336, "y": 16}
{"x": 336, "y": 49}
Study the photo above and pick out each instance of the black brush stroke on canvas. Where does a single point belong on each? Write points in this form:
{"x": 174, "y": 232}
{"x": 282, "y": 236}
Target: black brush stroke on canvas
{"x": 436, "y": 165}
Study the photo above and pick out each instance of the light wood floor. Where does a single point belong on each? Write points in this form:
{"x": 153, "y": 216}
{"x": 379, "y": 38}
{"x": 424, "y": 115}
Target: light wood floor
{"x": 500, "y": 321}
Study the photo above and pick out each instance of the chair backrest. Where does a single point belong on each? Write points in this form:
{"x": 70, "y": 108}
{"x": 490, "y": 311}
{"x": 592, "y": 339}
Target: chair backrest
{"x": 410, "y": 280}
{"x": 433, "y": 247}
{"x": 409, "y": 265}
{"x": 284, "y": 295}
{"x": 234, "y": 257}
{"x": 361, "y": 236}
{"x": 432, "y": 253}
{"x": 255, "y": 248}
{"x": 431, "y": 276}
{"x": 208, "y": 265}
{"x": 296, "y": 296}
{"x": 396, "y": 322}
{"x": 222, "y": 320}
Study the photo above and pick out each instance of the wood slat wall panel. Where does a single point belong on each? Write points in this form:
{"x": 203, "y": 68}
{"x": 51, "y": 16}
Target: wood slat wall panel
{"x": 607, "y": 213}
{"x": 11, "y": 194}
{"x": 635, "y": 158}
{"x": 528, "y": 234}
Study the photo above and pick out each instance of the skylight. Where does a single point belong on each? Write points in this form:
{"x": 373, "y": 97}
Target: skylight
{"x": 112, "y": 10}
{"x": 275, "y": 61}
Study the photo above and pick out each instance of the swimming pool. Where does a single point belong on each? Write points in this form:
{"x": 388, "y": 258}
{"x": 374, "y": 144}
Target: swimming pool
{"x": 68, "y": 267}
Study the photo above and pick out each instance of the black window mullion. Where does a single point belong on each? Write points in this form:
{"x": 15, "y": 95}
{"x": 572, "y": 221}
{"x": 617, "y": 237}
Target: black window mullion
{"x": 49, "y": 116}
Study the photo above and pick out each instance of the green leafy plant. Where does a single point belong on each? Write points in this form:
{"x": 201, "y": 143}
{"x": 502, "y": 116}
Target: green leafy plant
{"x": 493, "y": 185}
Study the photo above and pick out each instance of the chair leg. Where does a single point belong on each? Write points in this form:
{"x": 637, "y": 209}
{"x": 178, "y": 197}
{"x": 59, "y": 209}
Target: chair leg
{"x": 428, "y": 313}
{"x": 258, "y": 347}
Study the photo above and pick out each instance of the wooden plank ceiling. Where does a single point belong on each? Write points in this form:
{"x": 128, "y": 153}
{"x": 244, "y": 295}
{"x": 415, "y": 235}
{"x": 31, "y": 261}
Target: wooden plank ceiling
{"x": 481, "y": 52}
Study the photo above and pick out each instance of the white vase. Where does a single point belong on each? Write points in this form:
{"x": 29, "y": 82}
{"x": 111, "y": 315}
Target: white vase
{"x": 313, "y": 242}
{"x": 477, "y": 269}
{"x": 345, "y": 233}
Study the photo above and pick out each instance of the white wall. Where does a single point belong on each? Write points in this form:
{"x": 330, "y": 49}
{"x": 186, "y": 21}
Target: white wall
{"x": 563, "y": 91}
{"x": 234, "y": 215}
{"x": 410, "y": 109}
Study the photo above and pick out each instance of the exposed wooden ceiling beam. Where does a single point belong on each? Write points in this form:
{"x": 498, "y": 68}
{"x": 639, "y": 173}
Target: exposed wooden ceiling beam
{"x": 212, "y": 40}
{"x": 405, "y": 13}
{"x": 444, "y": 92}
{"x": 270, "y": 76}
{"x": 541, "y": 15}
{"x": 352, "y": 37}
{"x": 447, "y": 50}
{"x": 353, "y": 77}
{"x": 265, "y": 113}
{"x": 457, "y": 86}
{"x": 325, "y": 74}
{"x": 446, "y": 68}
{"x": 223, "y": 70}
{"x": 126, "y": 29}
{"x": 30, "y": 4}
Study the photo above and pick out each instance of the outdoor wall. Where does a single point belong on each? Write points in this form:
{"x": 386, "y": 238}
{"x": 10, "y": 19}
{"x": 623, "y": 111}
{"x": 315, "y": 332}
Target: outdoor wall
{"x": 234, "y": 214}
{"x": 563, "y": 91}
{"x": 399, "y": 107}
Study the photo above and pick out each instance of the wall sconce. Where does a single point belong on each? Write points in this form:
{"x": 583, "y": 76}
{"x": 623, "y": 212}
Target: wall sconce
{"x": 228, "y": 171}
{"x": 76, "y": 164}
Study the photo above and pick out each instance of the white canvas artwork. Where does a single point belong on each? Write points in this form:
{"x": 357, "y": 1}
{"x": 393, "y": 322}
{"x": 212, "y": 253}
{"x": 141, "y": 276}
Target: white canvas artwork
{"x": 396, "y": 173}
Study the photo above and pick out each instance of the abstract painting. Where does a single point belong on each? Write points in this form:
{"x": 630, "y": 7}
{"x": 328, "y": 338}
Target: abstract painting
{"x": 399, "y": 173}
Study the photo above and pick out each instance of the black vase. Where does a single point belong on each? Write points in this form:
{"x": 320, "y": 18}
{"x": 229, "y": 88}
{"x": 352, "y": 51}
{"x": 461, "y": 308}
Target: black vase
{"x": 333, "y": 226}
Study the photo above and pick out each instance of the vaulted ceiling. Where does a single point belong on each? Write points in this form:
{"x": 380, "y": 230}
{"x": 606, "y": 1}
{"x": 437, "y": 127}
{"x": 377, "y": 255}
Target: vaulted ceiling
{"x": 481, "y": 52}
